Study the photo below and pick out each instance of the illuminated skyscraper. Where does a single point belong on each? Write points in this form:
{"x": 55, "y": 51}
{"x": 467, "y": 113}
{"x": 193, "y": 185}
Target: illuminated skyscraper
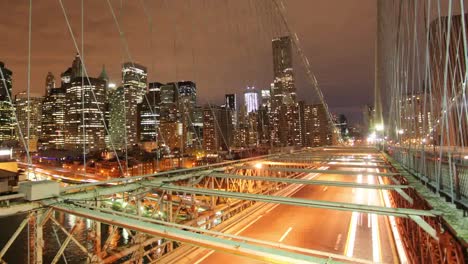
{"x": 265, "y": 98}
{"x": 134, "y": 81}
{"x": 217, "y": 129}
{"x": 7, "y": 122}
{"x": 117, "y": 117}
{"x": 186, "y": 101}
{"x": 283, "y": 70}
{"x": 85, "y": 100}
{"x": 251, "y": 99}
{"x": 53, "y": 112}
{"x": 284, "y": 119}
{"x": 169, "y": 103}
{"x": 135, "y": 75}
{"x": 35, "y": 111}
{"x": 316, "y": 129}
{"x": 149, "y": 114}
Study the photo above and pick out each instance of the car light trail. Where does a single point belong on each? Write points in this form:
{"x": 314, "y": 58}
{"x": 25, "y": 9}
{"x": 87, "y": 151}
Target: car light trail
{"x": 375, "y": 239}
{"x": 349, "y": 249}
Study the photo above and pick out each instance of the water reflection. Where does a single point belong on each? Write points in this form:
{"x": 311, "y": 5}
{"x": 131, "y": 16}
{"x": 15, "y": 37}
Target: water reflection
{"x": 54, "y": 236}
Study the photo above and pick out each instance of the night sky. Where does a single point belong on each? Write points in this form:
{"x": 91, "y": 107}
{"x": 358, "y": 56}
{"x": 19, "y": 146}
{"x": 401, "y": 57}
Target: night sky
{"x": 223, "y": 45}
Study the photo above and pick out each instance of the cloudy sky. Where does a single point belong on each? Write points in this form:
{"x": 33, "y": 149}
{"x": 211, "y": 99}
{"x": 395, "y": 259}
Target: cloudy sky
{"x": 223, "y": 45}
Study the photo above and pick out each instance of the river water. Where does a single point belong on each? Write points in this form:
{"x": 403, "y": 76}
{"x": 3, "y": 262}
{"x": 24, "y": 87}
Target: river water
{"x": 18, "y": 252}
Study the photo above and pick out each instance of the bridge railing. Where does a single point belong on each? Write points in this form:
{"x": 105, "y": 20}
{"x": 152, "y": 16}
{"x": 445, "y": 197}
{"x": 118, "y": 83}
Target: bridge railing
{"x": 445, "y": 174}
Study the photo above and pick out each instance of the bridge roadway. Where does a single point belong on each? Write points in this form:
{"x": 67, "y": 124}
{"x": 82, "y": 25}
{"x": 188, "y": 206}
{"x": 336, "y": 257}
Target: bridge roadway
{"x": 341, "y": 231}
{"x": 351, "y": 234}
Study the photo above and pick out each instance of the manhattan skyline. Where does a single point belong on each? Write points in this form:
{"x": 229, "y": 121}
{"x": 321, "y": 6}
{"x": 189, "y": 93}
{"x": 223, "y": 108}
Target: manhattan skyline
{"x": 192, "y": 59}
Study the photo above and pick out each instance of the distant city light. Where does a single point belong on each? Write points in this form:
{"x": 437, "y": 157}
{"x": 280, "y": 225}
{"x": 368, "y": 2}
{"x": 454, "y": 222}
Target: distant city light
{"x": 401, "y": 131}
{"x": 372, "y": 137}
{"x": 5, "y": 152}
{"x": 258, "y": 165}
{"x": 379, "y": 127}
{"x": 112, "y": 85}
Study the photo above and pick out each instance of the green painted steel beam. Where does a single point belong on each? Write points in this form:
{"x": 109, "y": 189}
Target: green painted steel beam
{"x": 337, "y": 164}
{"x": 266, "y": 254}
{"x": 342, "y": 172}
{"x": 309, "y": 182}
{"x": 399, "y": 212}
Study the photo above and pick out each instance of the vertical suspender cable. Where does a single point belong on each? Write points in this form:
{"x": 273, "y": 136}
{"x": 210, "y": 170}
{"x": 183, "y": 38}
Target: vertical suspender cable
{"x": 444, "y": 103}
{"x": 83, "y": 87}
{"x": 75, "y": 44}
{"x": 28, "y": 125}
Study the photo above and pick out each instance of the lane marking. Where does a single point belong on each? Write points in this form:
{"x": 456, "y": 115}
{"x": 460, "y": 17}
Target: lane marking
{"x": 325, "y": 188}
{"x": 308, "y": 177}
{"x": 237, "y": 233}
{"x": 285, "y": 234}
{"x": 338, "y": 240}
{"x": 247, "y": 226}
{"x": 204, "y": 257}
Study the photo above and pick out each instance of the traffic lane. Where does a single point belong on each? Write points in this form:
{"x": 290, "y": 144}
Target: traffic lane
{"x": 312, "y": 228}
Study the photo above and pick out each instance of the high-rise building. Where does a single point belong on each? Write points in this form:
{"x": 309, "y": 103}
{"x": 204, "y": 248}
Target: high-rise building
{"x": 197, "y": 127}
{"x": 76, "y": 68}
{"x": 170, "y": 134}
{"x": 186, "y": 101}
{"x": 283, "y": 69}
{"x": 246, "y": 133}
{"x": 285, "y": 126}
{"x": 117, "y": 122}
{"x": 251, "y": 99}
{"x": 217, "y": 129}
{"x": 135, "y": 75}
{"x": 169, "y": 103}
{"x": 35, "y": 115}
{"x": 7, "y": 121}
{"x": 263, "y": 127}
{"x": 53, "y": 112}
{"x": 149, "y": 114}
{"x": 265, "y": 98}
{"x": 230, "y": 101}
{"x": 49, "y": 82}
{"x": 109, "y": 86}
{"x": 84, "y": 115}
{"x": 416, "y": 118}
{"x": 316, "y": 129}
{"x": 448, "y": 80}
{"x": 187, "y": 93}
{"x": 134, "y": 81}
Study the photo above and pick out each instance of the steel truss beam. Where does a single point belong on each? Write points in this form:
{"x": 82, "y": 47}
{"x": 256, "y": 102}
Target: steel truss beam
{"x": 293, "y": 163}
{"x": 227, "y": 235}
{"x": 398, "y": 212}
{"x": 310, "y": 182}
{"x": 342, "y": 172}
{"x": 261, "y": 253}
